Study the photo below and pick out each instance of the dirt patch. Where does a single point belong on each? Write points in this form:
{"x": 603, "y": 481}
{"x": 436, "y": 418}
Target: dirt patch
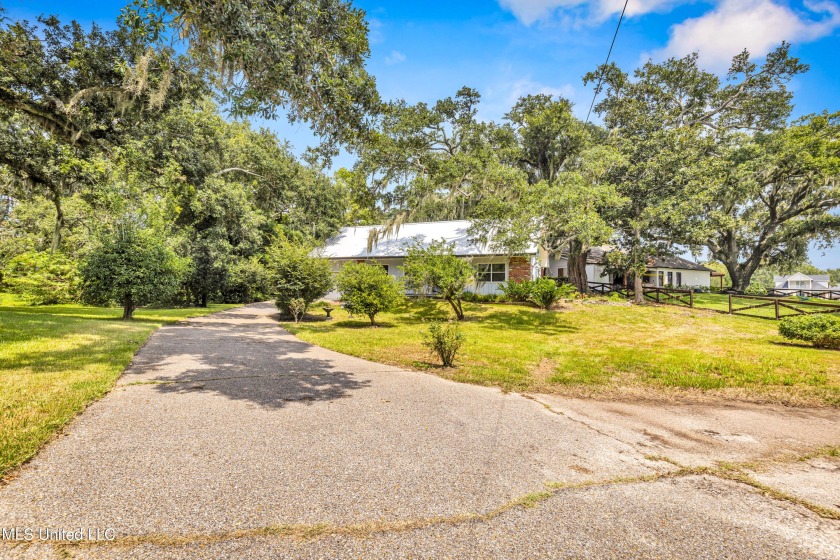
{"x": 543, "y": 370}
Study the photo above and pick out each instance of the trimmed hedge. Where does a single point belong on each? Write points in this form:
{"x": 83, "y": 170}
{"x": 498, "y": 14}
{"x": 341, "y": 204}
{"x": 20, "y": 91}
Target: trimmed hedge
{"x": 823, "y": 330}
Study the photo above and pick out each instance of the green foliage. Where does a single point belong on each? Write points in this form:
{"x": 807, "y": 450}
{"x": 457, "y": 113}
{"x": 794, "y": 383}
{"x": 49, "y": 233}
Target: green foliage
{"x": 306, "y": 56}
{"x": 247, "y": 281}
{"x": 297, "y": 275}
{"x": 615, "y": 297}
{"x": 436, "y": 270}
{"x": 473, "y": 297}
{"x": 367, "y": 289}
{"x": 517, "y": 291}
{"x": 297, "y": 308}
{"x": 756, "y": 289}
{"x": 132, "y": 267}
{"x": 444, "y": 340}
{"x": 545, "y": 292}
{"x": 43, "y": 278}
{"x": 435, "y": 162}
{"x": 667, "y": 121}
{"x": 822, "y": 330}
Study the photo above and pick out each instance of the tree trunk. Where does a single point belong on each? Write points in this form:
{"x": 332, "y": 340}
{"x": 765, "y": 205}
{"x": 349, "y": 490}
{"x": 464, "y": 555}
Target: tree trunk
{"x": 577, "y": 266}
{"x": 59, "y": 222}
{"x": 372, "y": 320}
{"x": 128, "y": 308}
{"x": 638, "y": 289}
{"x": 457, "y": 307}
{"x": 204, "y": 300}
{"x": 741, "y": 275}
{"x": 638, "y": 271}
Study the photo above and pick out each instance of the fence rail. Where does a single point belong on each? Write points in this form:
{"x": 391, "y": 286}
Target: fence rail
{"x": 777, "y": 306}
{"x": 833, "y": 295}
{"x": 779, "y": 303}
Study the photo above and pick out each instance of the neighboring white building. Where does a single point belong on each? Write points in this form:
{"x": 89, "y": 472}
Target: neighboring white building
{"x": 351, "y": 245}
{"x": 662, "y": 271}
{"x": 799, "y": 281}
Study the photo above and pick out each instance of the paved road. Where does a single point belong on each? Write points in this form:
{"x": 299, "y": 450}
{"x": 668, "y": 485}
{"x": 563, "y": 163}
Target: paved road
{"x": 230, "y": 438}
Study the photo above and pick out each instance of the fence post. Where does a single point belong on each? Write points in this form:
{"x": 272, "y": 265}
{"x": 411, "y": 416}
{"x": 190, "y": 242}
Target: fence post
{"x": 657, "y": 295}
{"x": 691, "y": 298}
{"x": 730, "y": 303}
{"x": 777, "y": 308}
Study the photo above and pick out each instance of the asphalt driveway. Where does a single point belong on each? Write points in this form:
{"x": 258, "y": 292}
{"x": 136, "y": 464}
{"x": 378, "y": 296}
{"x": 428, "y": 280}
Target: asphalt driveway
{"x": 230, "y": 438}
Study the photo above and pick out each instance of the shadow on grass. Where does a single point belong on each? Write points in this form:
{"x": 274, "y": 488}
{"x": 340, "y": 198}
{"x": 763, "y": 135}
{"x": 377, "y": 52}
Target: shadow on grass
{"x": 803, "y": 345}
{"x": 532, "y": 321}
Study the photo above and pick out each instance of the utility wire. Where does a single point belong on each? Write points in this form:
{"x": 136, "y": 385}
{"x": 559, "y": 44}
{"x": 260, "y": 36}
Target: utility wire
{"x": 598, "y": 87}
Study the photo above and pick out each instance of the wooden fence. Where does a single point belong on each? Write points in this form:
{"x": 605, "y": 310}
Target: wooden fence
{"x": 833, "y": 295}
{"x": 778, "y": 304}
{"x": 776, "y": 307}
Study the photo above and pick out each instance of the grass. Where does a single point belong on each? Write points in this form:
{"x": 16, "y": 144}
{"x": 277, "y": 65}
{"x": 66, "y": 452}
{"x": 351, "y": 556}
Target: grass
{"x": 57, "y": 359}
{"x": 590, "y": 349}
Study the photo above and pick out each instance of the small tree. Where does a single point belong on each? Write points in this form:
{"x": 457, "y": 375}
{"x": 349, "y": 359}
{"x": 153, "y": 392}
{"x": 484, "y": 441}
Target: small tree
{"x": 298, "y": 275}
{"x": 444, "y": 340}
{"x": 133, "y": 268}
{"x": 436, "y": 268}
{"x": 367, "y": 289}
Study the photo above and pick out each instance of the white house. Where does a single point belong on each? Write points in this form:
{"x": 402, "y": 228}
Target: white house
{"x": 662, "y": 271}
{"x": 799, "y": 281}
{"x": 351, "y": 245}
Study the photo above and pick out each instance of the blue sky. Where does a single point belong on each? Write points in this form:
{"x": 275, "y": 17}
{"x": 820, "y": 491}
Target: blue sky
{"x": 426, "y": 50}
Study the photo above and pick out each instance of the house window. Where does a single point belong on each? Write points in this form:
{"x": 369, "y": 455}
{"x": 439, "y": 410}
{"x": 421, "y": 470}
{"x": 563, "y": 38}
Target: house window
{"x": 670, "y": 278}
{"x": 661, "y": 279}
{"x": 385, "y": 266}
{"x": 679, "y": 279}
{"x": 561, "y": 272}
{"x": 491, "y": 272}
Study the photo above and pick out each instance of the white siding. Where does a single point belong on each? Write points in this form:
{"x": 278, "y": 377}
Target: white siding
{"x": 395, "y": 269}
{"x": 689, "y": 277}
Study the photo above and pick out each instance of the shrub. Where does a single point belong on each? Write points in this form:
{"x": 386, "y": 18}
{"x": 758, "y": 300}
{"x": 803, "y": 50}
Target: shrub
{"x": 517, "y": 291}
{"x": 367, "y": 289}
{"x": 616, "y": 297}
{"x": 545, "y": 292}
{"x": 436, "y": 269}
{"x": 42, "y": 278}
{"x": 297, "y": 308}
{"x": 444, "y": 339}
{"x": 756, "y": 290}
{"x": 481, "y": 298}
{"x": 823, "y": 331}
{"x": 133, "y": 268}
{"x": 297, "y": 274}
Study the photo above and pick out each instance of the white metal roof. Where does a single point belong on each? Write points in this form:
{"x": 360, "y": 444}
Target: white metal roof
{"x": 352, "y": 242}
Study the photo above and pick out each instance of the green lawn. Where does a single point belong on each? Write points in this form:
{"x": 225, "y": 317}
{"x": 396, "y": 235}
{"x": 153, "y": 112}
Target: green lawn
{"x": 56, "y": 359}
{"x": 599, "y": 349}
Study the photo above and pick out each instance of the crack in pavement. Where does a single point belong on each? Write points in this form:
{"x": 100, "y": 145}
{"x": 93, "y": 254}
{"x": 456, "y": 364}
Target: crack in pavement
{"x": 305, "y": 532}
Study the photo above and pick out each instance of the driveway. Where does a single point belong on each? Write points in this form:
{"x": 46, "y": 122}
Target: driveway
{"x": 229, "y": 438}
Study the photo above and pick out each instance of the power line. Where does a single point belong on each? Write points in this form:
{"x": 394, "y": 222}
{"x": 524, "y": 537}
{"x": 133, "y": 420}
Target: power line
{"x": 598, "y": 87}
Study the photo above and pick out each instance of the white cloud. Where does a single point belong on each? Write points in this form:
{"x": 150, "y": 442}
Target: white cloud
{"x": 394, "y": 58}
{"x": 531, "y": 11}
{"x": 375, "y": 35}
{"x": 756, "y": 25}
{"x": 499, "y": 97}
{"x": 526, "y": 86}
